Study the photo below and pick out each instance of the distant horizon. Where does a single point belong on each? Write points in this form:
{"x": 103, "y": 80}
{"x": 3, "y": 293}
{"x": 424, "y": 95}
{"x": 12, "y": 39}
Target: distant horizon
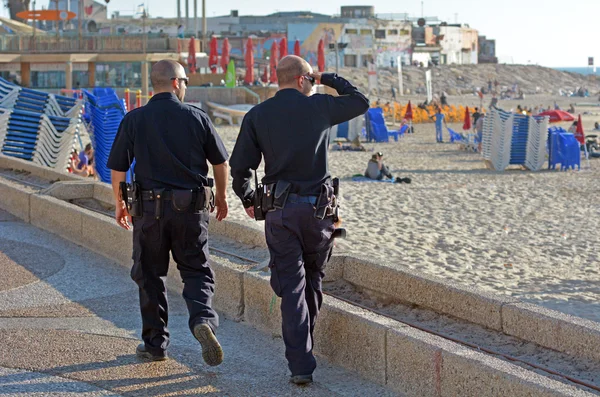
{"x": 525, "y": 33}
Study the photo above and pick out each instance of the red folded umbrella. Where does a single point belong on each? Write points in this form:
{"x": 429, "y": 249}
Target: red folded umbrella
{"x": 192, "y": 56}
{"x": 265, "y": 76}
{"x": 283, "y": 48}
{"x": 556, "y": 116}
{"x": 579, "y": 134}
{"x": 321, "y": 56}
{"x": 273, "y": 63}
{"x": 297, "y": 48}
{"x": 213, "y": 58}
{"x": 467, "y": 124}
{"x": 225, "y": 54}
{"x": 249, "y": 58}
{"x": 409, "y": 113}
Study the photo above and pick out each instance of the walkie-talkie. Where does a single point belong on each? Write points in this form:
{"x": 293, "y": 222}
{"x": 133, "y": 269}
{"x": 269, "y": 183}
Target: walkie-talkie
{"x": 131, "y": 193}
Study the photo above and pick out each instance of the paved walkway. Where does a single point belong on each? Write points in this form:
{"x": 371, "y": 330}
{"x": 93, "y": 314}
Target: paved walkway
{"x": 69, "y": 325}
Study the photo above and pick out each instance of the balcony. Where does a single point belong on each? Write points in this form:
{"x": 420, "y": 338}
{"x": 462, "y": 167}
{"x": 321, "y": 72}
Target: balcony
{"x": 50, "y": 44}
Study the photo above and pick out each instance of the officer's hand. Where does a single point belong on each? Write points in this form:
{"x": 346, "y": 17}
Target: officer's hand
{"x": 316, "y": 76}
{"x": 250, "y": 212}
{"x": 122, "y": 216}
{"x": 221, "y": 206}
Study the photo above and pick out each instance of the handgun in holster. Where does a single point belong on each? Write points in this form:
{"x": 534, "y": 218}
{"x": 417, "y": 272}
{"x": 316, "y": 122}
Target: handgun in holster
{"x": 259, "y": 212}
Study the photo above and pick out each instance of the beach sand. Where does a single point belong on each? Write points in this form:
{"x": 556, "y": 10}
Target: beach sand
{"x": 533, "y": 236}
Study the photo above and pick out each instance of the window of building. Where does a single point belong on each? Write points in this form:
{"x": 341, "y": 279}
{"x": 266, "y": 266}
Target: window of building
{"x": 379, "y": 33}
{"x": 350, "y": 61}
{"x": 351, "y": 31}
{"x": 366, "y": 32}
{"x": 119, "y": 74}
{"x": 404, "y": 32}
{"x": 392, "y": 32}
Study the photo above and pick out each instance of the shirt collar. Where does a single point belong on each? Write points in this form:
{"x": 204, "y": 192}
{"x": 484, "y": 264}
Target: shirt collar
{"x": 164, "y": 95}
{"x": 288, "y": 91}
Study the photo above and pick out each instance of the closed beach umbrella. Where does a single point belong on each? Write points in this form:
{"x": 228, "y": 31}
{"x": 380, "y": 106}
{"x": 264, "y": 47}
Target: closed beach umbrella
{"x": 230, "y": 78}
{"x": 265, "y": 76}
{"x": 273, "y": 63}
{"x": 556, "y": 116}
{"x": 467, "y": 124}
{"x": 409, "y": 113}
{"x": 283, "y": 48}
{"x": 297, "y": 48}
{"x": 192, "y": 56}
{"x": 249, "y": 58}
{"x": 579, "y": 135}
{"x": 321, "y": 56}
{"x": 213, "y": 58}
{"x": 225, "y": 54}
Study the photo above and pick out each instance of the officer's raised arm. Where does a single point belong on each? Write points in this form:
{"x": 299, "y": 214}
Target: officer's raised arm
{"x": 245, "y": 157}
{"x": 350, "y": 104}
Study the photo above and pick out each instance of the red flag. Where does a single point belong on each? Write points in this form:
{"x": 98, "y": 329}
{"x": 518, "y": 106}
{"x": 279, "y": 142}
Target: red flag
{"x": 297, "y": 48}
{"x": 225, "y": 54}
{"x": 273, "y": 63}
{"x": 283, "y": 48}
{"x": 579, "y": 134}
{"x": 321, "y": 56}
{"x": 467, "y": 124}
{"x": 192, "y": 56}
{"x": 249, "y": 58}
{"x": 409, "y": 113}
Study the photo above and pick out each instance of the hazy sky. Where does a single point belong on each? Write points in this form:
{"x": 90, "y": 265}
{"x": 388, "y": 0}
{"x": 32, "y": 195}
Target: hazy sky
{"x": 548, "y": 32}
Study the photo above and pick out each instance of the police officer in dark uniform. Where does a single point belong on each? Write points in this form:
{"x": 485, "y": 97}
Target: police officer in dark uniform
{"x": 171, "y": 143}
{"x": 291, "y": 131}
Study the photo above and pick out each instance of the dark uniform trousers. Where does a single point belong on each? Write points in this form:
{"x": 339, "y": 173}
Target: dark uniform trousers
{"x": 300, "y": 246}
{"x": 185, "y": 235}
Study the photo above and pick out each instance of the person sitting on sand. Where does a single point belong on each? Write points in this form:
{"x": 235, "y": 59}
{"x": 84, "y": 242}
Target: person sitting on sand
{"x": 377, "y": 170}
{"x": 596, "y": 126}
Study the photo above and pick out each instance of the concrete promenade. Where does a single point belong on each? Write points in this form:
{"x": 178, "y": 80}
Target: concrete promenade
{"x": 69, "y": 325}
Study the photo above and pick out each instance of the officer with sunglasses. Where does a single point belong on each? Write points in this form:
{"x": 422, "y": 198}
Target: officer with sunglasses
{"x": 172, "y": 144}
{"x": 291, "y": 132}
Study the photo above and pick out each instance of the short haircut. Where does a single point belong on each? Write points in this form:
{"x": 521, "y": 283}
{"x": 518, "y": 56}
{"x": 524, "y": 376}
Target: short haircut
{"x": 88, "y": 147}
{"x": 162, "y": 73}
{"x": 289, "y": 68}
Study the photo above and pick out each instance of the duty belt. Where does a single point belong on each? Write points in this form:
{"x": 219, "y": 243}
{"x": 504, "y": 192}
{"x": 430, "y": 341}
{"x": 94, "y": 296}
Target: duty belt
{"x": 150, "y": 195}
{"x": 295, "y": 198}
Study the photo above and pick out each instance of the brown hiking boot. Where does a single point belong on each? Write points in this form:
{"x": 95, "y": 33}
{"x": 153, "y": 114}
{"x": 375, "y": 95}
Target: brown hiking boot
{"x": 212, "y": 352}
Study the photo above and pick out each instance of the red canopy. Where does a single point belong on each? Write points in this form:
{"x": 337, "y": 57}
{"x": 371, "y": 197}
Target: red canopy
{"x": 409, "y": 113}
{"x": 579, "y": 134}
{"x": 273, "y": 63}
{"x": 249, "y": 58}
{"x": 321, "y": 56}
{"x": 556, "y": 116}
{"x": 192, "y": 56}
{"x": 297, "y": 48}
{"x": 213, "y": 58}
{"x": 467, "y": 124}
{"x": 283, "y": 48}
{"x": 225, "y": 54}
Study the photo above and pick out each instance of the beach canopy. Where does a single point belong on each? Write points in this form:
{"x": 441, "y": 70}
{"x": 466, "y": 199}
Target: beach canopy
{"x": 556, "y": 116}
{"x": 192, "y": 56}
{"x": 321, "y": 56}
{"x": 283, "y": 48}
{"x": 230, "y": 78}
{"x": 273, "y": 63}
{"x": 225, "y": 50}
{"x": 249, "y": 58}
{"x": 297, "y": 48}
{"x": 213, "y": 58}
{"x": 467, "y": 123}
{"x": 409, "y": 113}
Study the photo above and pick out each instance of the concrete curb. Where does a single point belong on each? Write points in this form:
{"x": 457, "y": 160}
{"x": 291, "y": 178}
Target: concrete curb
{"x": 378, "y": 348}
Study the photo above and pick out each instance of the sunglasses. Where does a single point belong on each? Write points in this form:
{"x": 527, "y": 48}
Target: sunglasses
{"x": 185, "y": 80}
{"x": 310, "y": 79}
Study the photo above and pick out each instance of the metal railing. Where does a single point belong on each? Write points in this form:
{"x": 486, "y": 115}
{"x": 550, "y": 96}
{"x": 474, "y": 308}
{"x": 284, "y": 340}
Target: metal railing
{"x": 126, "y": 43}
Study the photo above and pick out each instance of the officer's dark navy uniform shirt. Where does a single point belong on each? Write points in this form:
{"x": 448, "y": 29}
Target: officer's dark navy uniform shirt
{"x": 170, "y": 142}
{"x": 291, "y": 130}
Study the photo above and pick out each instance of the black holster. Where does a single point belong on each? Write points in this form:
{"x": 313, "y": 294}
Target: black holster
{"x": 132, "y": 195}
{"x": 327, "y": 204}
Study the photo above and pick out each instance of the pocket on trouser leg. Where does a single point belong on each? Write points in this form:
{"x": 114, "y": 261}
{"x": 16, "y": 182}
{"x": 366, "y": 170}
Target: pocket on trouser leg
{"x": 274, "y": 281}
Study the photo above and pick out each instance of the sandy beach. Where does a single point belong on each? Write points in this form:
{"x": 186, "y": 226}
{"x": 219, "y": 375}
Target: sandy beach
{"x": 529, "y": 235}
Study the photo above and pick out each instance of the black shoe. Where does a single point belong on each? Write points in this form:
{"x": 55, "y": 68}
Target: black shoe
{"x": 406, "y": 180}
{"x": 212, "y": 352}
{"x": 301, "y": 379}
{"x": 145, "y": 355}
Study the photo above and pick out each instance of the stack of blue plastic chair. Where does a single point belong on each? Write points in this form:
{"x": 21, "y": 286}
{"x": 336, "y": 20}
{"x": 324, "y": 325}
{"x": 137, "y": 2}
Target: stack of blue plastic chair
{"x": 104, "y": 112}
{"x": 563, "y": 149}
{"x": 518, "y": 148}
